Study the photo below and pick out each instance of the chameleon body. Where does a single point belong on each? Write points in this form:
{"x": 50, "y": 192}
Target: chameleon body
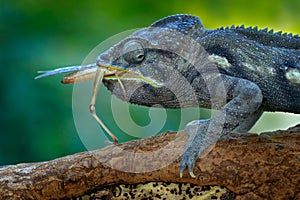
{"x": 239, "y": 71}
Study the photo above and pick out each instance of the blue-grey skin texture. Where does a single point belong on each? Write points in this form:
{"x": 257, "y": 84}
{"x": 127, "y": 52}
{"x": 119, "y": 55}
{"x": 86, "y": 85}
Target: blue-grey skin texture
{"x": 239, "y": 71}
{"x": 258, "y": 70}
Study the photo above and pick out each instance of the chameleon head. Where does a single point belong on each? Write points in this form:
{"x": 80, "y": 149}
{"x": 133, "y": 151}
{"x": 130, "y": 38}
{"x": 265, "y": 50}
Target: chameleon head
{"x": 153, "y": 62}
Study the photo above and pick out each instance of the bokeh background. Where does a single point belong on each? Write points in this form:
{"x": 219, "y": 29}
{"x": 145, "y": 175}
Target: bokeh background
{"x": 36, "y": 120}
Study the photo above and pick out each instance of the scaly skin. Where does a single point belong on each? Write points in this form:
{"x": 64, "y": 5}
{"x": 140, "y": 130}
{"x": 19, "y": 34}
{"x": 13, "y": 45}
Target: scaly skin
{"x": 239, "y": 71}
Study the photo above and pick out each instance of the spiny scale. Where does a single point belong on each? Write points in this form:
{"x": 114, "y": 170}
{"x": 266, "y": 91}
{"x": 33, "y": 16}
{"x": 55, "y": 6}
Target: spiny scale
{"x": 256, "y": 29}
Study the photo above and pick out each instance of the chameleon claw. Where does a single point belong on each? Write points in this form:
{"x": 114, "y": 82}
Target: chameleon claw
{"x": 181, "y": 174}
{"x": 190, "y": 168}
{"x": 192, "y": 174}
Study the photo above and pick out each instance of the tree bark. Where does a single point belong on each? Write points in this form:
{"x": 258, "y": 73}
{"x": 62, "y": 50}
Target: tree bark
{"x": 251, "y": 166}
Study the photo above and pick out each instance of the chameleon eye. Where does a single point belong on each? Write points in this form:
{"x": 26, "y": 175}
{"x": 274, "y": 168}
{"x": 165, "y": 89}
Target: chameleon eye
{"x": 133, "y": 52}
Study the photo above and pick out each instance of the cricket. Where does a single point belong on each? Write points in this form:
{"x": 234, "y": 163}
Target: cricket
{"x": 96, "y": 72}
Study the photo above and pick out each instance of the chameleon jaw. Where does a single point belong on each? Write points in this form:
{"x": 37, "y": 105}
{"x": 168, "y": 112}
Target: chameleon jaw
{"x": 116, "y": 73}
{"x": 110, "y": 73}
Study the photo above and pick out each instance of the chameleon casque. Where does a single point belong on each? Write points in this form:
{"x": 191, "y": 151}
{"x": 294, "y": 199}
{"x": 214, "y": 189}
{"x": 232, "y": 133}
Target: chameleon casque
{"x": 239, "y": 71}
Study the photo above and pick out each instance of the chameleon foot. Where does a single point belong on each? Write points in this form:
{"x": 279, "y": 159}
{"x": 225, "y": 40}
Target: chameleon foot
{"x": 200, "y": 138}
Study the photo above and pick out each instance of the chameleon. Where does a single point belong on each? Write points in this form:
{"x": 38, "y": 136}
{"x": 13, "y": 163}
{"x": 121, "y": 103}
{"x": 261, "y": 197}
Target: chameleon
{"x": 177, "y": 63}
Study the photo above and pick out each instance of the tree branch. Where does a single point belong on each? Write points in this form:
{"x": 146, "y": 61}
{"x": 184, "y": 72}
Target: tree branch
{"x": 248, "y": 165}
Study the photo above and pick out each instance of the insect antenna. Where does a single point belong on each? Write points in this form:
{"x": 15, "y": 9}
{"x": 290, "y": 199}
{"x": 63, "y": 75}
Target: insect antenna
{"x": 122, "y": 86}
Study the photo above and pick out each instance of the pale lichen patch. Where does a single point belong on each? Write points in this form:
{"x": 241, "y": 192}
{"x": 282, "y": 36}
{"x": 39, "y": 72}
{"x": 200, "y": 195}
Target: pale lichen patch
{"x": 293, "y": 76}
{"x": 222, "y": 61}
{"x": 250, "y": 67}
{"x": 25, "y": 170}
{"x": 162, "y": 190}
{"x": 271, "y": 71}
{"x": 267, "y": 71}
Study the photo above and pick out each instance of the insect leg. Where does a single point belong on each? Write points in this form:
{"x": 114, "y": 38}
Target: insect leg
{"x": 97, "y": 81}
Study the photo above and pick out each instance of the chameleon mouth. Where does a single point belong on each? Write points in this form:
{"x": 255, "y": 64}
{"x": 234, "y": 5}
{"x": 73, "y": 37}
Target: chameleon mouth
{"x": 110, "y": 72}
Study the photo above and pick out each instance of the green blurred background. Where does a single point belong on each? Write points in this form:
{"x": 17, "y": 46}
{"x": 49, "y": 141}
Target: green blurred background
{"x": 36, "y": 115}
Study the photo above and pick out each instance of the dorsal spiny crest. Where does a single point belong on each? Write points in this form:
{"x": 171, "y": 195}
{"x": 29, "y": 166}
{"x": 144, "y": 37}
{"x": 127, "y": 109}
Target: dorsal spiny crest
{"x": 184, "y": 23}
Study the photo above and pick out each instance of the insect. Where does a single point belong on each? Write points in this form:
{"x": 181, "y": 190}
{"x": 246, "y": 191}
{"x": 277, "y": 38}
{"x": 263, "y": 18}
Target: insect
{"x": 96, "y": 72}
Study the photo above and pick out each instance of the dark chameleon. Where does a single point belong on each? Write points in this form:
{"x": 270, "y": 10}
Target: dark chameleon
{"x": 240, "y": 71}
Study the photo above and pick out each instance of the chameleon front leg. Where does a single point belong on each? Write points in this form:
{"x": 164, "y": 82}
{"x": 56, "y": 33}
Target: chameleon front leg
{"x": 246, "y": 98}
{"x": 249, "y": 122}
